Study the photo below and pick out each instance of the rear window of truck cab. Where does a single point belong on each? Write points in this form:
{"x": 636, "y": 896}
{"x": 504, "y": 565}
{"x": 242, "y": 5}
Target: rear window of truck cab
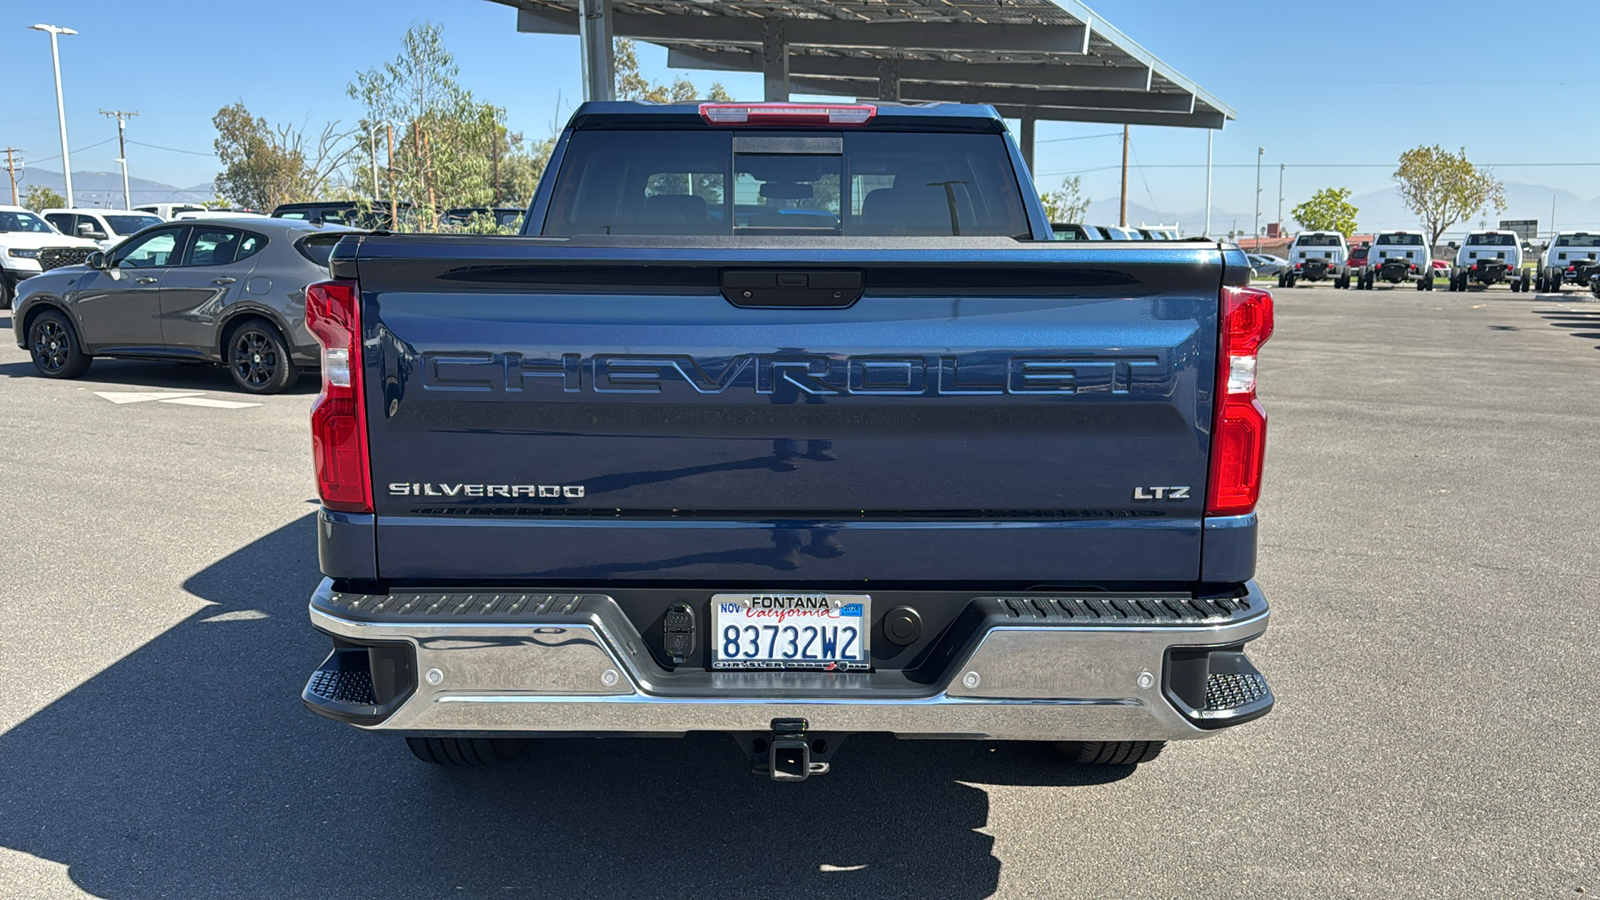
{"x": 1492, "y": 240}
{"x": 1317, "y": 240}
{"x": 818, "y": 182}
{"x": 1404, "y": 240}
{"x": 1578, "y": 240}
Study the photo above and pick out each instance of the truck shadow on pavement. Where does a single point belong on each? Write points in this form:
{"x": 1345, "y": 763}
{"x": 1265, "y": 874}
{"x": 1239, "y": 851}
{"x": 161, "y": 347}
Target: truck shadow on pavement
{"x": 117, "y": 373}
{"x": 189, "y": 768}
{"x": 1581, "y": 324}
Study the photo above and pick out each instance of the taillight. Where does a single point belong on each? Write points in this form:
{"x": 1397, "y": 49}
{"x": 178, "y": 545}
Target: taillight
{"x": 1239, "y": 432}
{"x": 1572, "y": 270}
{"x": 787, "y": 113}
{"x": 338, "y": 417}
{"x": 1299, "y": 265}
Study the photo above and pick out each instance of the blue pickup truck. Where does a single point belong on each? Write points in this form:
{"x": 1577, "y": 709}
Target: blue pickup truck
{"x": 790, "y": 422}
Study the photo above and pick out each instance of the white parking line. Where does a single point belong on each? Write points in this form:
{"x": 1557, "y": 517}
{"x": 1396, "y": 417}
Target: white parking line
{"x": 208, "y": 402}
{"x": 120, "y": 397}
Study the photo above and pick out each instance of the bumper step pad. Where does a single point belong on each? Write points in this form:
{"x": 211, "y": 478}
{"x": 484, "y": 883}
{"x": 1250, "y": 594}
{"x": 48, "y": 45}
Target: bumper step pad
{"x": 1229, "y": 690}
{"x": 354, "y": 688}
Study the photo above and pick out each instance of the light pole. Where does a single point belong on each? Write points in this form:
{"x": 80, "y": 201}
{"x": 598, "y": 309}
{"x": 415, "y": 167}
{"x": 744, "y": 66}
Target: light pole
{"x": 1282, "y": 167}
{"x": 1260, "y": 152}
{"x": 61, "y": 107}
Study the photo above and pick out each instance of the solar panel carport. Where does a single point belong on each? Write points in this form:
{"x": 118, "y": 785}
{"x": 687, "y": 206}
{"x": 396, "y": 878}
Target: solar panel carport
{"x": 1054, "y": 60}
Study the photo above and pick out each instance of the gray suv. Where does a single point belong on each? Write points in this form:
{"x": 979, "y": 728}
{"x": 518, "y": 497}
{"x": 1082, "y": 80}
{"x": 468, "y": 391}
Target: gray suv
{"x": 225, "y": 291}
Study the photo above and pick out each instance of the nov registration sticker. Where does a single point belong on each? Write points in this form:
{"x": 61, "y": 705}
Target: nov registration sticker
{"x": 824, "y": 632}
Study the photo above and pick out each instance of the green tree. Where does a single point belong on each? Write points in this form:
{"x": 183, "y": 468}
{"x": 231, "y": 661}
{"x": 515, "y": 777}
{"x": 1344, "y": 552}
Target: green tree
{"x": 448, "y": 148}
{"x": 632, "y": 85}
{"x": 1066, "y": 203}
{"x": 263, "y": 165}
{"x": 40, "y": 197}
{"x": 1443, "y": 188}
{"x": 1329, "y": 209}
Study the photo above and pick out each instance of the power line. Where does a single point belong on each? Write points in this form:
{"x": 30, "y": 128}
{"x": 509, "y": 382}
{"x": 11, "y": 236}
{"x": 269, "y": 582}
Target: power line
{"x": 77, "y": 150}
{"x": 1081, "y": 137}
{"x": 173, "y": 149}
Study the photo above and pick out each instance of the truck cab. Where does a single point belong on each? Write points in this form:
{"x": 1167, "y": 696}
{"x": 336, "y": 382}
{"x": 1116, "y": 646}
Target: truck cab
{"x": 1317, "y": 256}
{"x": 1573, "y": 257}
{"x": 1397, "y": 257}
{"x": 1490, "y": 257}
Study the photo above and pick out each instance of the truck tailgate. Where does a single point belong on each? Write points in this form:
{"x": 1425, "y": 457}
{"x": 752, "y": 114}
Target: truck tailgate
{"x": 993, "y": 411}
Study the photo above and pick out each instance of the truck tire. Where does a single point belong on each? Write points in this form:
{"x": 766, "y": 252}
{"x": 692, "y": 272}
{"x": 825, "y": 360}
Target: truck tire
{"x": 1420, "y": 285}
{"x": 1110, "y": 753}
{"x": 1429, "y": 282}
{"x": 463, "y": 752}
{"x": 1289, "y": 280}
{"x": 1540, "y": 283}
{"x": 53, "y": 344}
{"x": 6, "y": 294}
{"x": 1554, "y": 284}
{"x": 1280, "y": 280}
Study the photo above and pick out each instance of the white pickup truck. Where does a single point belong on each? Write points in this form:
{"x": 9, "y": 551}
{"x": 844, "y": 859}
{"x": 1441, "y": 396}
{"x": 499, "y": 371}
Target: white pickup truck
{"x": 1572, "y": 257}
{"x": 1316, "y": 256}
{"x": 1491, "y": 257}
{"x": 1397, "y": 257}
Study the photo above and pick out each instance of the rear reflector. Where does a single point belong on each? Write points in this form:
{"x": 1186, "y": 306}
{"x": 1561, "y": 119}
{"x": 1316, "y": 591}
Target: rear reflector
{"x": 787, "y": 113}
{"x": 338, "y": 417}
{"x": 1239, "y": 434}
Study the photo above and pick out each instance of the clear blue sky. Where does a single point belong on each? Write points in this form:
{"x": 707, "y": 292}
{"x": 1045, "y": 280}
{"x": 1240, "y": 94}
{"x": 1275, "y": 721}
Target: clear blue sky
{"x": 291, "y": 59}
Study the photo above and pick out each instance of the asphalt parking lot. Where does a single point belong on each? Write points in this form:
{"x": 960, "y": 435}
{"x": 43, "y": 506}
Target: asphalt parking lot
{"x": 1429, "y": 547}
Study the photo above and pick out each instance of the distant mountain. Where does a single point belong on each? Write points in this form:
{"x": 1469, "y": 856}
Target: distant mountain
{"x": 105, "y": 188}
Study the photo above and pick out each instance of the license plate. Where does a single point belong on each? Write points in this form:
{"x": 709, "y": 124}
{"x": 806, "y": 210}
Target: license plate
{"x": 827, "y": 632}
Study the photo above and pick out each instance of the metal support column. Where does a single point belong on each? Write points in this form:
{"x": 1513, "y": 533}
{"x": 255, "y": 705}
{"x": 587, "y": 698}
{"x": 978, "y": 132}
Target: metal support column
{"x": 774, "y": 62}
{"x": 1209, "y": 134}
{"x": 889, "y": 80}
{"x": 595, "y": 19}
{"x": 1027, "y": 143}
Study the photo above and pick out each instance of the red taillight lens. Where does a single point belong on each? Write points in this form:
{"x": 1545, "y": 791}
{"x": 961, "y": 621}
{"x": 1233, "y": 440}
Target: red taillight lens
{"x": 1239, "y": 434}
{"x": 787, "y": 113}
{"x": 1572, "y": 269}
{"x": 338, "y": 417}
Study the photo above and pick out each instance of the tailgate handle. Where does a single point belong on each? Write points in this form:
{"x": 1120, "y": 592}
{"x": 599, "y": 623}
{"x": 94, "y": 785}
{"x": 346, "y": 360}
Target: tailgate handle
{"x": 776, "y": 289}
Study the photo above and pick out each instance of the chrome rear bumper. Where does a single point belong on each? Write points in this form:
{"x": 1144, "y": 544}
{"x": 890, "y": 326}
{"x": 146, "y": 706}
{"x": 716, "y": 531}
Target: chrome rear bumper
{"x": 583, "y": 670}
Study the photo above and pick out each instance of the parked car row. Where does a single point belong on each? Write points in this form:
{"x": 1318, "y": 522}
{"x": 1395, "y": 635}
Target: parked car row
{"x": 382, "y": 215}
{"x": 1073, "y": 231}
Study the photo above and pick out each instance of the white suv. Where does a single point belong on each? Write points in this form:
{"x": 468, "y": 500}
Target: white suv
{"x": 1491, "y": 257}
{"x": 1573, "y": 256}
{"x": 28, "y": 246}
{"x": 1315, "y": 256}
{"x": 106, "y": 227}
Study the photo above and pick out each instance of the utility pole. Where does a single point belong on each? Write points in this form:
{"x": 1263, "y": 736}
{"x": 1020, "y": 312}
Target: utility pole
{"x": 1122, "y": 215}
{"x": 1209, "y": 133}
{"x": 10, "y": 167}
{"x": 122, "y": 150}
{"x": 61, "y": 107}
{"x": 1260, "y": 152}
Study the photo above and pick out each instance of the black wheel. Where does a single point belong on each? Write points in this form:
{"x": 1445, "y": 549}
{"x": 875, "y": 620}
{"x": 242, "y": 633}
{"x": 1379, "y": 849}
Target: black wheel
{"x": 1110, "y": 753}
{"x": 6, "y": 294}
{"x": 258, "y": 358}
{"x": 1420, "y": 285}
{"x": 1428, "y": 282}
{"x": 1289, "y": 281}
{"x": 54, "y": 346}
{"x": 1540, "y": 283}
{"x": 464, "y": 751}
{"x": 1554, "y": 281}
{"x": 1281, "y": 280}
